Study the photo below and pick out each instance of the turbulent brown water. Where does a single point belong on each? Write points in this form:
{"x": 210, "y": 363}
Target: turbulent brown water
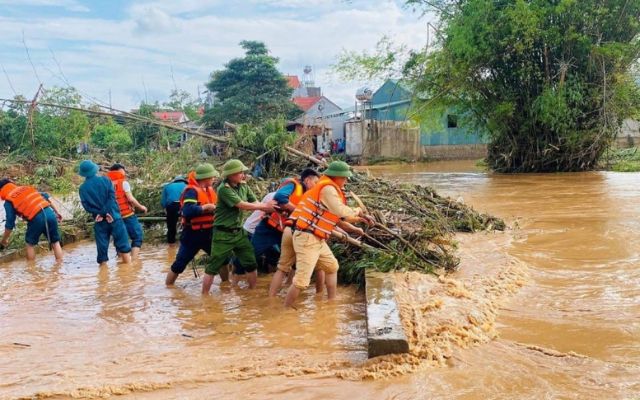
{"x": 547, "y": 310}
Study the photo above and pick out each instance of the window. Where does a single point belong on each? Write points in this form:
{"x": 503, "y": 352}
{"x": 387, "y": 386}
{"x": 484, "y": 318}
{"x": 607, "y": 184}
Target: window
{"x": 452, "y": 121}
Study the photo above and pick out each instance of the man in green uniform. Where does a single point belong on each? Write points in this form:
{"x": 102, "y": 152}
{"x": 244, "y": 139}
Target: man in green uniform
{"x": 234, "y": 196}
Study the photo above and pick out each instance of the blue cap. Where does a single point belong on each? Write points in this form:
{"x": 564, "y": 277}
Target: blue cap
{"x": 88, "y": 169}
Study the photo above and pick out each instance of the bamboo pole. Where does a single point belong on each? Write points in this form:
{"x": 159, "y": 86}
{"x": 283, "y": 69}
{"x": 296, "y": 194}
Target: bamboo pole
{"x": 342, "y": 236}
{"x": 313, "y": 159}
{"x": 128, "y": 116}
{"x": 152, "y": 219}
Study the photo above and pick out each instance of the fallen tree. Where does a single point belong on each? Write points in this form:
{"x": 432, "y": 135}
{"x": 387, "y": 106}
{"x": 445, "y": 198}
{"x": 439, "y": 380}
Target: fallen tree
{"x": 414, "y": 224}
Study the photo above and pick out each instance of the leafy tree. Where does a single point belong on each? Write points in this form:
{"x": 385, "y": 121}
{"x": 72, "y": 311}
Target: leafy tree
{"x": 267, "y": 141}
{"x": 13, "y": 123}
{"x": 181, "y": 100}
{"x": 144, "y": 134}
{"x": 112, "y": 137}
{"x": 250, "y": 89}
{"x": 547, "y": 80}
{"x": 59, "y": 135}
{"x": 67, "y": 96}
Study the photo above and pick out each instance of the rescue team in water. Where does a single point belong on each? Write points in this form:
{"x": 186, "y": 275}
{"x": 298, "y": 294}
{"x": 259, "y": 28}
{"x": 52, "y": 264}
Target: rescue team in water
{"x": 286, "y": 234}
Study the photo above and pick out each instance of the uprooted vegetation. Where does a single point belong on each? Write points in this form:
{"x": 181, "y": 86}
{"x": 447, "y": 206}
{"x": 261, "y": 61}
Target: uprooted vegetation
{"x": 414, "y": 229}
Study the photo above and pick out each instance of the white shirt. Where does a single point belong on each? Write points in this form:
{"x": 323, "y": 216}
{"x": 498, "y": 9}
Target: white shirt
{"x": 257, "y": 216}
{"x": 126, "y": 187}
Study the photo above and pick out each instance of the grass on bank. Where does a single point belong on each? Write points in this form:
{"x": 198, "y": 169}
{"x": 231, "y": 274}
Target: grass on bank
{"x": 622, "y": 160}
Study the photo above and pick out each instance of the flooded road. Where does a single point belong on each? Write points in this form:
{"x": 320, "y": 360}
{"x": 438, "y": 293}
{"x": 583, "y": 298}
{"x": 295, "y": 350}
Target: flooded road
{"x": 77, "y": 330}
{"x": 549, "y": 309}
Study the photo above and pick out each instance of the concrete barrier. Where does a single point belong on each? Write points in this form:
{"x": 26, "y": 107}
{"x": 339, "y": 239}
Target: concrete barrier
{"x": 385, "y": 334}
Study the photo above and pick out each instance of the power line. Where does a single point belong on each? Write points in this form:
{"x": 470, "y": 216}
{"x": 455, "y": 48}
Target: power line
{"x": 24, "y": 42}
{"x": 9, "y": 80}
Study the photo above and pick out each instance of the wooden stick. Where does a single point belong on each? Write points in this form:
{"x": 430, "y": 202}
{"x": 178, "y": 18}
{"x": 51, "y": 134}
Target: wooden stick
{"x": 359, "y": 201}
{"x": 366, "y": 210}
{"x": 313, "y": 159}
{"x": 348, "y": 239}
{"x": 406, "y": 242}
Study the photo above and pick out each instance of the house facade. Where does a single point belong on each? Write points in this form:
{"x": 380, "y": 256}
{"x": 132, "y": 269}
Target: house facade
{"x": 444, "y": 138}
{"x": 318, "y": 110}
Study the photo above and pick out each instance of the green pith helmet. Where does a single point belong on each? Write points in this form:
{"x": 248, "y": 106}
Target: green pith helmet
{"x": 233, "y": 167}
{"x": 206, "y": 171}
{"x": 338, "y": 168}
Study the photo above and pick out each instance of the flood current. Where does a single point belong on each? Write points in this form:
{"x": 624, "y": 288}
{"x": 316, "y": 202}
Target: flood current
{"x": 548, "y": 309}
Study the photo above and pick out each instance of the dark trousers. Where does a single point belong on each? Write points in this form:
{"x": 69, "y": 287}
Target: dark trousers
{"x": 191, "y": 242}
{"x": 173, "y": 215}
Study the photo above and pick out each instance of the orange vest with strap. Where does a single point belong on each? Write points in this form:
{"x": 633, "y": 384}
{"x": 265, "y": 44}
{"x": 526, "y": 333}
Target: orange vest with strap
{"x": 26, "y": 200}
{"x": 118, "y": 178}
{"x": 278, "y": 220}
{"x": 205, "y": 196}
{"x": 312, "y": 216}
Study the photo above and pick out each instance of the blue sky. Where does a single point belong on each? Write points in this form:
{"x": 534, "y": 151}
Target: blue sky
{"x": 127, "y": 46}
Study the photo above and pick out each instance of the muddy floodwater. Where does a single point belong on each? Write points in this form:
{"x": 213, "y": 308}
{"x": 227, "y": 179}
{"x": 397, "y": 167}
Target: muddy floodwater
{"x": 549, "y": 309}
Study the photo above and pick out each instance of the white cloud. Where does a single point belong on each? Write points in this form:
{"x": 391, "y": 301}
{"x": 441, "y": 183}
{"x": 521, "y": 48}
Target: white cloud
{"x": 173, "y": 7}
{"x": 118, "y": 55}
{"x": 71, "y": 5}
{"x": 154, "y": 20}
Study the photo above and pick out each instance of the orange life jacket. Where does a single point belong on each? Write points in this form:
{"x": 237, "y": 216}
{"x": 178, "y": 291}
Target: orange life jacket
{"x": 205, "y": 196}
{"x": 311, "y": 216}
{"x": 118, "y": 178}
{"x": 26, "y": 200}
{"x": 278, "y": 220}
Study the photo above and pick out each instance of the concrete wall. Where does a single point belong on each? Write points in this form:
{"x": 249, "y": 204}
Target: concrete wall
{"x": 336, "y": 124}
{"x": 383, "y": 139}
{"x": 629, "y": 136}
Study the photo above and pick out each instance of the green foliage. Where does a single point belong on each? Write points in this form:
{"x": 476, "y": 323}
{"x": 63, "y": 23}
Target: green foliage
{"x": 623, "y": 160}
{"x": 112, "y": 137}
{"x": 250, "y": 89}
{"x": 386, "y": 61}
{"x": 53, "y": 131}
{"x": 181, "y": 100}
{"x": 68, "y": 96}
{"x": 144, "y": 135}
{"x": 549, "y": 82}
{"x": 267, "y": 141}
{"x": 58, "y": 134}
{"x": 46, "y": 131}
{"x": 354, "y": 262}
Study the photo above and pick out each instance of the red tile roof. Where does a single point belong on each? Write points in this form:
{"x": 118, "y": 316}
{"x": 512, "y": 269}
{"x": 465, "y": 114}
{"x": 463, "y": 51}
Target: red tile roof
{"x": 293, "y": 81}
{"x": 173, "y": 116}
{"x": 305, "y": 103}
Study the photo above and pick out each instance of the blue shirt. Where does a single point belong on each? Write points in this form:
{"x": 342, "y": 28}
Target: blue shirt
{"x": 98, "y": 197}
{"x": 190, "y": 208}
{"x": 172, "y": 192}
{"x": 11, "y": 214}
{"x": 283, "y": 194}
